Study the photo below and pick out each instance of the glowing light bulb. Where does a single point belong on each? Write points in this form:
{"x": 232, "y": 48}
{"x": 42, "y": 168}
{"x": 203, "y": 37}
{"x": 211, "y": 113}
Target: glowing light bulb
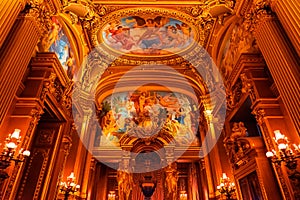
{"x": 269, "y": 154}
{"x": 11, "y": 145}
{"x": 208, "y": 112}
{"x": 16, "y": 134}
{"x": 282, "y": 146}
{"x": 278, "y": 135}
{"x": 26, "y": 153}
{"x": 71, "y": 176}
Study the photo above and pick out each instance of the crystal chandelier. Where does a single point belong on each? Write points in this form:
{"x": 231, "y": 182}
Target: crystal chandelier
{"x": 9, "y": 153}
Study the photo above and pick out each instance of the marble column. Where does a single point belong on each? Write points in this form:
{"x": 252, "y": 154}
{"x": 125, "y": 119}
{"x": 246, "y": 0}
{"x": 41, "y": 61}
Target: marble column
{"x": 15, "y": 55}
{"x": 9, "y": 11}
{"x": 288, "y": 12}
{"x": 283, "y": 63}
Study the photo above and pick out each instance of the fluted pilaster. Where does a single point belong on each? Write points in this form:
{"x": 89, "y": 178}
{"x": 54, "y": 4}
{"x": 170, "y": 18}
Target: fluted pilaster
{"x": 15, "y": 55}
{"x": 288, "y": 12}
{"x": 9, "y": 11}
{"x": 283, "y": 63}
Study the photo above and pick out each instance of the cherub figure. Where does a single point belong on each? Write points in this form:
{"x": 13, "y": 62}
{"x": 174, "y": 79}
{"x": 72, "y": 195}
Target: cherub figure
{"x": 238, "y": 130}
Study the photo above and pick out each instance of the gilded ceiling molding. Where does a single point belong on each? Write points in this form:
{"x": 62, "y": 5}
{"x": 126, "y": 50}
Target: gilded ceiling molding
{"x": 243, "y": 35}
{"x": 95, "y": 16}
{"x": 145, "y": 11}
{"x": 241, "y": 41}
{"x": 221, "y": 35}
{"x": 83, "y": 11}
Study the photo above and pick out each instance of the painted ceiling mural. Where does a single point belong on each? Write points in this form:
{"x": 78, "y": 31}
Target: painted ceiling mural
{"x": 62, "y": 48}
{"x": 124, "y": 113}
{"x": 147, "y": 35}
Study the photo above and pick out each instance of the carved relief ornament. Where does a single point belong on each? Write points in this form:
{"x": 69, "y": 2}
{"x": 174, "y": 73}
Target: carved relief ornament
{"x": 41, "y": 12}
{"x": 248, "y": 86}
{"x": 233, "y": 95}
{"x": 237, "y": 146}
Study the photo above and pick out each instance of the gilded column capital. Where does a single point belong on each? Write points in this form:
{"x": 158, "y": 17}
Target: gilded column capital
{"x": 259, "y": 13}
{"x": 40, "y": 12}
{"x": 206, "y": 11}
{"x": 23, "y": 3}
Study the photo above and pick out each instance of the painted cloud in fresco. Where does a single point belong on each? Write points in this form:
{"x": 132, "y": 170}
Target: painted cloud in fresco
{"x": 148, "y": 110}
{"x": 147, "y": 36}
{"x": 62, "y": 48}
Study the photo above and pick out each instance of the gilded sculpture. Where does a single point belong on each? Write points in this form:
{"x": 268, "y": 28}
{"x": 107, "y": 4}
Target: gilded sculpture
{"x": 125, "y": 184}
{"x": 238, "y": 130}
{"x": 171, "y": 181}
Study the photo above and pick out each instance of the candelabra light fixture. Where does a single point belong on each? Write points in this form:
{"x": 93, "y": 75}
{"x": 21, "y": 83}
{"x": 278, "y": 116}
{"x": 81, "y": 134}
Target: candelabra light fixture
{"x": 112, "y": 195}
{"x": 9, "y": 153}
{"x": 286, "y": 153}
{"x": 226, "y": 187}
{"x": 69, "y": 187}
{"x": 183, "y": 195}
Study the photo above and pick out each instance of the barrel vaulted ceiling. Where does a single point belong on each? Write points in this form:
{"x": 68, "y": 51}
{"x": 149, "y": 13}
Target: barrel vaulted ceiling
{"x": 146, "y": 40}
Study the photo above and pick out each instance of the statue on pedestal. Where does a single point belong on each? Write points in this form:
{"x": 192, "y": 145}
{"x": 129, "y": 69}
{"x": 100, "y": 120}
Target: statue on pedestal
{"x": 171, "y": 181}
{"x": 125, "y": 183}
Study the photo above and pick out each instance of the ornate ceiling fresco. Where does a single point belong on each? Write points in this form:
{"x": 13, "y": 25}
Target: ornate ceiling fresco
{"x": 144, "y": 113}
{"x": 147, "y": 35}
{"x": 161, "y": 30}
{"x": 148, "y": 76}
{"x": 122, "y": 37}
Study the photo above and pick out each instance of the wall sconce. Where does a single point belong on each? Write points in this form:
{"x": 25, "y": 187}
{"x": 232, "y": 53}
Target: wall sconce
{"x": 112, "y": 195}
{"x": 69, "y": 187}
{"x": 9, "y": 153}
{"x": 286, "y": 153}
{"x": 182, "y": 195}
{"x": 226, "y": 187}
